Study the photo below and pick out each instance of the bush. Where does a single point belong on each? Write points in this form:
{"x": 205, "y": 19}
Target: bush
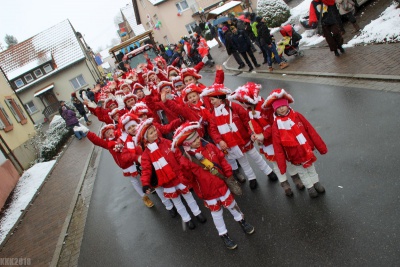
{"x": 275, "y": 12}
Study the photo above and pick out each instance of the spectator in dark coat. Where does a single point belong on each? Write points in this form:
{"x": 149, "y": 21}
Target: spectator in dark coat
{"x": 231, "y": 47}
{"x": 80, "y": 107}
{"x": 214, "y": 33}
{"x": 71, "y": 121}
{"x": 243, "y": 44}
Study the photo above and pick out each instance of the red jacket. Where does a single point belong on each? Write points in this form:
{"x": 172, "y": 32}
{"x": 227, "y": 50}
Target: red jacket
{"x": 124, "y": 159}
{"x": 241, "y": 119}
{"x": 171, "y": 157}
{"x": 206, "y": 185}
{"x": 291, "y": 154}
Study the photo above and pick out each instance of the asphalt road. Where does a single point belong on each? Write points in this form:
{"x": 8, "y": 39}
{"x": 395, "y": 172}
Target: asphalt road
{"x": 354, "y": 224}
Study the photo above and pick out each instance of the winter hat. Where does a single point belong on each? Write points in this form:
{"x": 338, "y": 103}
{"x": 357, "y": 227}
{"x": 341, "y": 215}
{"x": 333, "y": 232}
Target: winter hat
{"x": 126, "y": 83}
{"x": 171, "y": 68}
{"x": 190, "y": 72}
{"x": 148, "y": 74}
{"x": 113, "y": 112}
{"x": 105, "y": 128}
{"x": 188, "y": 89}
{"x": 279, "y": 103}
{"x": 185, "y": 135}
{"x": 129, "y": 96}
{"x": 137, "y": 86}
{"x": 73, "y": 94}
{"x": 160, "y": 59}
{"x": 108, "y": 102}
{"x": 177, "y": 81}
{"x": 225, "y": 28}
{"x": 127, "y": 120}
{"x": 248, "y": 93}
{"x": 216, "y": 90}
{"x": 119, "y": 92}
{"x": 258, "y": 19}
{"x": 140, "y": 109}
{"x": 274, "y": 96}
{"x": 142, "y": 130}
{"x": 163, "y": 84}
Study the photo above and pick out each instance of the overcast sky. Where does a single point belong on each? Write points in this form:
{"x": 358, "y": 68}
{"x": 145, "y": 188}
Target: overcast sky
{"x": 94, "y": 19}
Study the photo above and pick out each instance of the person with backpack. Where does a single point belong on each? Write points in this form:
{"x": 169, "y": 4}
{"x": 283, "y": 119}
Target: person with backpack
{"x": 346, "y": 8}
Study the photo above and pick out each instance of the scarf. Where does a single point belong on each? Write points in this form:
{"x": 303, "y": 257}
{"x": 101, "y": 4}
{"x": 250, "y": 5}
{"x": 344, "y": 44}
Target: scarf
{"x": 291, "y": 136}
{"x": 259, "y": 125}
{"x": 226, "y": 127}
{"x": 163, "y": 170}
{"x": 131, "y": 170}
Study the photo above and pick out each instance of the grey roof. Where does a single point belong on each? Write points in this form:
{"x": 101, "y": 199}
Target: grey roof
{"x": 131, "y": 18}
{"x": 58, "y": 42}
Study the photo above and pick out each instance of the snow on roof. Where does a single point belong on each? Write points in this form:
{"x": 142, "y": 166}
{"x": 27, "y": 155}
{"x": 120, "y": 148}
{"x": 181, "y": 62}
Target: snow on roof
{"x": 129, "y": 14}
{"x": 59, "y": 41}
{"x": 225, "y": 7}
{"x": 155, "y": 2}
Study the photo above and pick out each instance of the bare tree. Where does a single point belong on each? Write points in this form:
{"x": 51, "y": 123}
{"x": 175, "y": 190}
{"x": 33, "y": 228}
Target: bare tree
{"x": 10, "y": 40}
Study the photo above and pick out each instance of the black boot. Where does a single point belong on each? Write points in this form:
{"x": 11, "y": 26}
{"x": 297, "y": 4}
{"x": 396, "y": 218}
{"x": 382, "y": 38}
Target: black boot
{"x": 297, "y": 181}
{"x": 190, "y": 224}
{"x": 247, "y": 228}
{"x": 238, "y": 176}
{"x": 229, "y": 243}
{"x": 286, "y": 187}
{"x": 336, "y": 53}
{"x": 201, "y": 218}
{"x": 173, "y": 212}
{"x": 253, "y": 184}
{"x": 318, "y": 186}
{"x": 272, "y": 176}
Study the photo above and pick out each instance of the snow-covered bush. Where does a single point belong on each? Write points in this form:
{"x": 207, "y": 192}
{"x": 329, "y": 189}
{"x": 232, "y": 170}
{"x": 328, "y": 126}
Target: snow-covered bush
{"x": 275, "y": 12}
{"x": 56, "y": 136}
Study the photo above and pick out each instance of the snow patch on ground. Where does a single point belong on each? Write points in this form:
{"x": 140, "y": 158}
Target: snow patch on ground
{"x": 24, "y": 192}
{"x": 212, "y": 43}
{"x": 385, "y": 29}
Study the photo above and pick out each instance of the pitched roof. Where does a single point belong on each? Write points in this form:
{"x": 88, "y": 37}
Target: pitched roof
{"x": 58, "y": 42}
{"x": 129, "y": 14}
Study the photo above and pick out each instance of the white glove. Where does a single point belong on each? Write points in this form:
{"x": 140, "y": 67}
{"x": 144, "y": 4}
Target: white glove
{"x": 84, "y": 96}
{"x": 204, "y": 60}
{"x": 81, "y": 128}
{"x": 91, "y": 104}
{"x": 146, "y": 90}
{"x": 120, "y": 101}
{"x": 260, "y": 137}
{"x": 111, "y": 96}
{"x": 139, "y": 159}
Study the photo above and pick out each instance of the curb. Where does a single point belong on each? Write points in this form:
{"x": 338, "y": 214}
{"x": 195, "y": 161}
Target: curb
{"x": 20, "y": 218}
{"x": 387, "y": 78}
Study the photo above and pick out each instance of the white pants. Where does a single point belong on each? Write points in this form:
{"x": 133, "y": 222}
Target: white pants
{"x": 308, "y": 176}
{"x": 219, "y": 218}
{"x": 290, "y": 168}
{"x": 181, "y": 209}
{"x": 167, "y": 202}
{"x": 257, "y": 158}
{"x": 137, "y": 185}
{"x": 244, "y": 162}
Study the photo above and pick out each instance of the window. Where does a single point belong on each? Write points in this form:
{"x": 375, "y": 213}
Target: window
{"x": 5, "y": 122}
{"x": 28, "y": 78}
{"x": 38, "y": 73}
{"x": 78, "y": 82}
{"x": 30, "y": 107}
{"x": 47, "y": 68}
{"x": 190, "y": 27}
{"x": 19, "y": 83}
{"x": 182, "y": 5}
{"x": 15, "y": 110}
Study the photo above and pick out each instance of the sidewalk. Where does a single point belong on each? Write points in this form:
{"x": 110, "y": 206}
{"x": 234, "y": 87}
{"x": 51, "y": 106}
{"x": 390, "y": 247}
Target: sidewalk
{"x": 37, "y": 235}
{"x": 377, "y": 62}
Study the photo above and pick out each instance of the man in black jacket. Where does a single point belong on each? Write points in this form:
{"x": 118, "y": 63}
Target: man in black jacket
{"x": 243, "y": 45}
{"x": 231, "y": 47}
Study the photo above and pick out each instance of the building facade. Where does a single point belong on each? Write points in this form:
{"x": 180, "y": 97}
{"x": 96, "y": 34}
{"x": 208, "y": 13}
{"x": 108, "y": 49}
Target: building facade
{"x": 48, "y": 67}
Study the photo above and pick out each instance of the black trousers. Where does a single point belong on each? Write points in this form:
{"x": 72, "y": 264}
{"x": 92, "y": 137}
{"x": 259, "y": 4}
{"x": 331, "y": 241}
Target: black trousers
{"x": 253, "y": 58}
{"x": 237, "y": 57}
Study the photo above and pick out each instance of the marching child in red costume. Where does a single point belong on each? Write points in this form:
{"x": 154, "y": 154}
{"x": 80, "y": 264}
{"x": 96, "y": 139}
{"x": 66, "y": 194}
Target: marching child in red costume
{"x": 261, "y": 120}
{"x": 206, "y": 185}
{"x": 230, "y": 130}
{"x": 294, "y": 140}
{"x": 157, "y": 158}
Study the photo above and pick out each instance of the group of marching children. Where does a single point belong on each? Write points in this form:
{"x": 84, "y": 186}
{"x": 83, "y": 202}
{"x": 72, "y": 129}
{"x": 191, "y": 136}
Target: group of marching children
{"x": 162, "y": 124}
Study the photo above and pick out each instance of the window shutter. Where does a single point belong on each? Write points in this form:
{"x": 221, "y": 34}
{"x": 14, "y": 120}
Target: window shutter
{"x": 9, "y": 104}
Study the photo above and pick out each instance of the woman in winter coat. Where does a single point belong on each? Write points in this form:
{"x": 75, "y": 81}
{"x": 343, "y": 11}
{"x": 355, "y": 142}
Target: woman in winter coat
{"x": 346, "y": 8}
{"x": 71, "y": 121}
{"x": 80, "y": 107}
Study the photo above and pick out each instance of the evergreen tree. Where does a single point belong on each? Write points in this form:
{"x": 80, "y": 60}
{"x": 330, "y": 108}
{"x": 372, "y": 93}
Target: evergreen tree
{"x": 275, "y": 12}
{"x": 10, "y": 40}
